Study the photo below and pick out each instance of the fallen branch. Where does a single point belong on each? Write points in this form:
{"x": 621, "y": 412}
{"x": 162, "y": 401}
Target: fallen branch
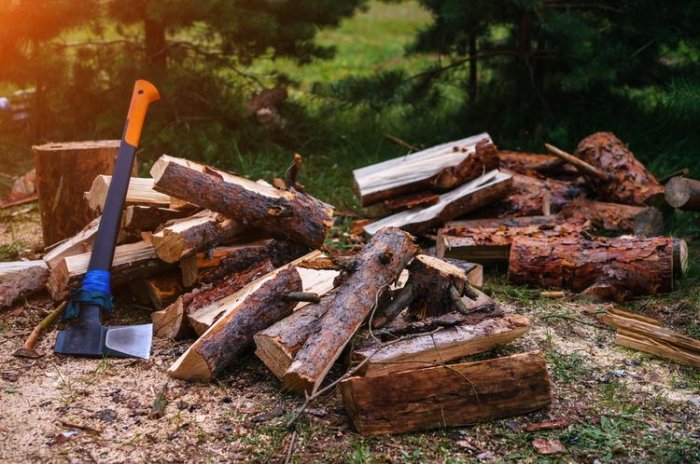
{"x": 28, "y": 350}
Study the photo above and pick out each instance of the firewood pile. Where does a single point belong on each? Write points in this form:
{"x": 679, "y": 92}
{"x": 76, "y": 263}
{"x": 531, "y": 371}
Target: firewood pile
{"x": 239, "y": 266}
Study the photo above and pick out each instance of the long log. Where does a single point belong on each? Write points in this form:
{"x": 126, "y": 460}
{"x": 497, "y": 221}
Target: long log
{"x": 439, "y": 168}
{"x": 526, "y": 163}
{"x": 232, "y": 335}
{"x": 683, "y": 193}
{"x": 131, "y": 261}
{"x": 183, "y": 237}
{"x": 630, "y": 183}
{"x": 454, "y": 395}
{"x": 534, "y": 195}
{"x": 140, "y": 192}
{"x": 603, "y": 268}
{"x": 479, "y": 192}
{"x": 640, "y": 220}
{"x": 441, "y": 347}
{"x": 21, "y": 278}
{"x": 648, "y": 335}
{"x": 378, "y": 265}
{"x": 286, "y": 214}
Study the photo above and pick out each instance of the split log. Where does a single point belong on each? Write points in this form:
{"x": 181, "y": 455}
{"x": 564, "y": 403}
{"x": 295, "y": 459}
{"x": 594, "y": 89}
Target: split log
{"x": 131, "y": 261}
{"x": 479, "y": 192}
{"x": 603, "y": 268}
{"x": 203, "y": 318}
{"x": 19, "y": 279}
{"x": 139, "y": 218}
{"x": 534, "y": 196}
{"x": 23, "y": 191}
{"x": 482, "y": 309}
{"x": 378, "y": 264}
{"x": 402, "y": 203}
{"x": 79, "y": 243}
{"x": 163, "y": 290}
{"x": 630, "y": 182}
{"x": 454, "y": 395}
{"x": 491, "y": 245}
{"x": 63, "y": 172}
{"x": 232, "y": 335}
{"x": 286, "y": 214}
{"x": 439, "y": 168}
{"x": 640, "y": 220}
{"x": 680, "y": 257}
{"x": 525, "y": 163}
{"x": 683, "y": 193}
{"x": 172, "y": 323}
{"x": 183, "y": 237}
{"x": 140, "y": 192}
{"x": 441, "y": 347}
{"x": 649, "y": 336}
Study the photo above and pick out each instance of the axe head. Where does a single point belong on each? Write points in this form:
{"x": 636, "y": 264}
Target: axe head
{"x": 87, "y": 337}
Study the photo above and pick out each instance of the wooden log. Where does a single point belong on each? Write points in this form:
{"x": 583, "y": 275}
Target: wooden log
{"x": 77, "y": 244}
{"x": 683, "y": 193}
{"x": 285, "y": 214}
{"x": 602, "y": 268}
{"x": 502, "y": 223}
{"x": 441, "y": 347}
{"x": 402, "y": 203}
{"x": 140, "y": 192}
{"x": 139, "y": 218}
{"x": 63, "y": 172}
{"x": 534, "y": 196}
{"x": 131, "y": 261}
{"x": 232, "y": 335}
{"x": 649, "y": 336}
{"x": 479, "y": 192}
{"x": 183, "y": 237}
{"x": 405, "y": 324}
{"x": 646, "y": 221}
{"x": 378, "y": 264}
{"x": 491, "y": 244}
{"x": 164, "y": 289}
{"x": 19, "y": 279}
{"x": 454, "y": 395}
{"x": 526, "y": 163}
{"x": 680, "y": 257}
{"x": 630, "y": 183}
{"x": 581, "y": 165}
{"x": 172, "y": 322}
{"x": 439, "y": 168}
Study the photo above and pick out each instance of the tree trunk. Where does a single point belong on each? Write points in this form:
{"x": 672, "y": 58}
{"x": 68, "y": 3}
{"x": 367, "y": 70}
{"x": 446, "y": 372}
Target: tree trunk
{"x": 156, "y": 46}
{"x": 378, "y": 264}
{"x": 283, "y": 214}
{"x": 454, "y": 395}
{"x": 21, "y": 278}
{"x": 431, "y": 350}
{"x": 440, "y": 168}
{"x": 479, "y": 192}
{"x": 604, "y": 268}
{"x": 232, "y": 335}
{"x": 614, "y": 217}
{"x": 63, "y": 172}
{"x": 630, "y": 183}
{"x": 683, "y": 193}
{"x": 472, "y": 86}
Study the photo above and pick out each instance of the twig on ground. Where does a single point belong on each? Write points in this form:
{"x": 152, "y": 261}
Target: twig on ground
{"x": 28, "y": 350}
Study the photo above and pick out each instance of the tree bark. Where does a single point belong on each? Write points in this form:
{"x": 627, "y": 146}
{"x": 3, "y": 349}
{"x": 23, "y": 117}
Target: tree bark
{"x": 440, "y": 168}
{"x": 603, "y": 268}
{"x": 481, "y": 191}
{"x": 535, "y": 196}
{"x": 156, "y": 45}
{"x": 283, "y": 214}
{"x": 431, "y": 350}
{"x": 630, "y": 182}
{"x": 378, "y": 264}
{"x": 63, "y": 172}
{"x": 524, "y": 163}
{"x": 683, "y": 193}
{"x": 640, "y": 220}
{"x": 232, "y": 335}
{"x": 454, "y": 395}
{"x": 21, "y": 278}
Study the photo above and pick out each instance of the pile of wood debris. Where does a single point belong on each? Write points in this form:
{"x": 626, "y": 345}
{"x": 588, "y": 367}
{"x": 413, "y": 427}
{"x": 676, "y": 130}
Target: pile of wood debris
{"x": 240, "y": 266}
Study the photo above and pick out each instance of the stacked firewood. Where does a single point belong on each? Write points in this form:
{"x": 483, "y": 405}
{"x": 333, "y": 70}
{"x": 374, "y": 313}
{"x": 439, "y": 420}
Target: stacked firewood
{"x": 587, "y": 222}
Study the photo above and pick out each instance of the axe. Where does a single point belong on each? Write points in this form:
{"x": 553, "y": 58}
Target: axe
{"x": 86, "y": 336}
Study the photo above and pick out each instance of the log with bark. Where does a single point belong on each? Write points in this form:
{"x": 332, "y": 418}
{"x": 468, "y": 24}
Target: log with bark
{"x": 683, "y": 193}
{"x": 491, "y": 244}
{"x": 286, "y": 214}
{"x": 140, "y": 218}
{"x": 602, "y": 268}
{"x": 433, "y": 349}
{"x": 183, "y": 237}
{"x": 452, "y": 395}
{"x": 140, "y": 192}
{"x": 649, "y": 336}
{"x": 534, "y": 195}
{"x": 630, "y": 183}
{"x": 19, "y": 279}
{"x": 63, "y": 172}
{"x": 131, "y": 261}
{"x": 479, "y": 192}
{"x": 640, "y": 220}
{"x": 378, "y": 265}
{"x": 409, "y": 201}
{"x": 526, "y": 163}
{"x": 439, "y": 169}
{"x": 232, "y": 335}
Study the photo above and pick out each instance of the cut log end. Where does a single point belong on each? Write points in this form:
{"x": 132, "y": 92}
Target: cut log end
{"x": 680, "y": 257}
{"x": 192, "y": 367}
{"x": 683, "y": 193}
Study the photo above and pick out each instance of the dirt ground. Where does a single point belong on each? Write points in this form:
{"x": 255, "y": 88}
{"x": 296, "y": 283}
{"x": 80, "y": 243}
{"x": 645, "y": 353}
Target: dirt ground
{"x": 619, "y": 405}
